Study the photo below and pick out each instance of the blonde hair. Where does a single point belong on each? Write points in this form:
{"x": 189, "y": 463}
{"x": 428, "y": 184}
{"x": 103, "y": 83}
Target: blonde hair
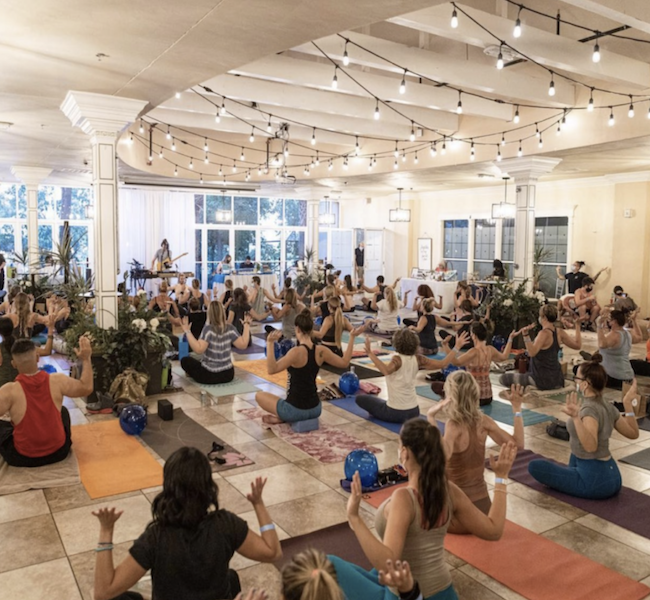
{"x": 217, "y": 316}
{"x": 337, "y": 318}
{"x": 465, "y": 393}
{"x": 291, "y": 298}
{"x": 23, "y": 310}
{"x": 329, "y": 292}
{"x": 310, "y": 576}
{"x": 391, "y": 298}
{"x": 428, "y": 304}
{"x": 196, "y": 284}
{"x": 229, "y": 284}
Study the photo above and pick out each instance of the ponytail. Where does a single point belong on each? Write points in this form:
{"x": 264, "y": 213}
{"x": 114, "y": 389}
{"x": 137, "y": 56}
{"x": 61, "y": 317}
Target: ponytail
{"x": 337, "y": 317}
{"x": 425, "y": 442}
{"x": 310, "y": 576}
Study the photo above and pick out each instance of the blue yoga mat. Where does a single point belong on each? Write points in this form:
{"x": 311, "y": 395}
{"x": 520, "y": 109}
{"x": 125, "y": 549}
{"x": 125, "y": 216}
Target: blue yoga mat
{"x": 502, "y": 412}
{"x": 348, "y": 403}
{"x": 438, "y": 356}
{"x": 426, "y": 392}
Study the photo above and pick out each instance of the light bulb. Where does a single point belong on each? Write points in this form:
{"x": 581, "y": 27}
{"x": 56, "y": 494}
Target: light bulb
{"x": 251, "y": 139}
{"x": 241, "y": 156}
{"x": 498, "y": 154}
{"x": 356, "y": 147}
{"x": 345, "y": 164}
{"x": 516, "y": 32}
{"x": 630, "y": 112}
{"x": 459, "y": 107}
{"x": 472, "y": 152}
{"x": 346, "y": 58}
{"x": 374, "y": 160}
{"x": 259, "y": 171}
{"x": 191, "y": 164}
{"x": 131, "y": 139}
{"x": 220, "y": 171}
{"x": 178, "y": 95}
{"x": 395, "y": 164}
{"x": 500, "y": 61}
{"x": 537, "y": 133}
{"x": 201, "y": 180}
{"x": 150, "y": 157}
{"x": 551, "y": 88}
{"x": 454, "y": 19}
{"x": 370, "y": 165}
{"x": 402, "y": 85}
{"x": 611, "y": 121}
{"x": 234, "y": 166}
{"x": 286, "y": 151}
{"x": 335, "y": 80}
{"x": 313, "y": 137}
{"x": 175, "y": 171}
{"x": 434, "y": 150}
{"x": 415, "y": 158}
{"x": 596, "y": 55}
{"x": 317, "y": 159}
{"x": 141, "y": 128}
{"x": 516, "y": 119}
{"x": 520, "y": 152}
{"x": 217, "y": 118}
{"x": 403, "y": 156}
{"x": 377, "y": 111}
{"x": 205, "y": 145}
{"x": 269, "y": 127}
{"x": 559, "y": 129}
{"x": 330, "y": 166}
{"x": 222, "y": 110}
{"x": 443, "y": 150}
{"x": 173, "y": 145}
{"x": 503, "y": 140}
{"x": 206, "y": 160}
{"x": 412, "y": 135}
{"x": 396, "y": 152}
{"x": 590, "y": 106}
{"x": 160, "y": 154}
{"x": 649, "y": 113}
{"x": 541, "y": 142}
{"x": 169, "y": 133}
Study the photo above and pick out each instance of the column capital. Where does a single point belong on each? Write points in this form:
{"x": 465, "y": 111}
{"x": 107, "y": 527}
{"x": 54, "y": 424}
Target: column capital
{"x": 99, "y": 114}
{"x": 524, "y": 170}
{"x": 31, "y": 176}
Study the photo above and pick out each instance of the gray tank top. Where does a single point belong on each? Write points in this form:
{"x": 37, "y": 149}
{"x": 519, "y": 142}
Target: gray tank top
{"x": 258, "y": 303}
{"x": 616, "y": 361}
{"x": 288, "y": 323}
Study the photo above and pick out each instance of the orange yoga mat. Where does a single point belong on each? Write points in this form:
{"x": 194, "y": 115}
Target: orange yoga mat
{"x": 376, "y": 498}
{"x": 258, "y": 367}
{"x": 540, "y": 569}
{"x": 112, "y": 462}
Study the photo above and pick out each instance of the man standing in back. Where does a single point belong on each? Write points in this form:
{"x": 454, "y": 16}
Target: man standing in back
{"x": 359, "y": 257}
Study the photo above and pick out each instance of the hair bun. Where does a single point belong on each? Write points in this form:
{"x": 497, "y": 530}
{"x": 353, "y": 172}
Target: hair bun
{"x": 596, "y": 358}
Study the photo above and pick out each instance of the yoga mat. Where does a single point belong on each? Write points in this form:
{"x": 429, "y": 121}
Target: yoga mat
{"x": 325, "y": 444}
{"x": 258, "y": 368}
{"x": 375, "y": 499}
{"x": 426, "y": 392}
{"x": 364, "y": 354}
{"x": 361, "y": 372}
{"x": 502, "y": 412}
{"x": 348, "y": 403}
{"x": 252, "y": 349}
{"x": 628, "y": 509}
{"x": 20, "y": 479}
{"x": 644, "y": 423}
{"x": 368, "y": 361}
{"x": 165, "y": 437}
{"x": 539, "y": 569}
{"x": 639, "y": 459}
{"x": 338, "y": 540}
{"x": 236, "y": 386}
{"x": 112, "y": 462}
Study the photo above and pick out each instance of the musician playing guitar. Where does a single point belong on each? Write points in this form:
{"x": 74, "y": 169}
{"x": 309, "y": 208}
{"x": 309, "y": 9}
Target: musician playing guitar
{"x": 162, "y": 257}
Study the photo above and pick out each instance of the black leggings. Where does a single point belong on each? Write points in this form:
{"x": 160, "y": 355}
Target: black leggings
{"x": 200, "y": 374}
{"x": 641, "y": 367}
{"x": 15, "y": 459}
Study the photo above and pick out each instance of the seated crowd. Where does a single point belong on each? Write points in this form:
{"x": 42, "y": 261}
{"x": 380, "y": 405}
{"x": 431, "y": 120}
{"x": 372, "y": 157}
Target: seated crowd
{"x": 192, "y": 538}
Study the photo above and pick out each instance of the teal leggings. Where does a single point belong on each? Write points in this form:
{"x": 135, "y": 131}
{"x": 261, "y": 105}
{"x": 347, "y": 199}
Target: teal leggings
{"x": 357, "y": 583}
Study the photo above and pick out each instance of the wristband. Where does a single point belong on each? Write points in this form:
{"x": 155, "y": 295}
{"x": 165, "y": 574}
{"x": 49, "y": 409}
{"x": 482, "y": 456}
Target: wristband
{"x": 500, "y": 480}
{"x": 268, "y": 527}
{"x": 630, "y": 414}
{"x": 413, "y": 594}
{"x": 104, "y": 543}
{"x": 102, "y": 548}
{"x": 519, "y": 414}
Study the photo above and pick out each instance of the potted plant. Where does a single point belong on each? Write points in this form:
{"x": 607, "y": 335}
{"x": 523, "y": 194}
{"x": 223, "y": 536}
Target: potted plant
{"x": 312, "y": 277}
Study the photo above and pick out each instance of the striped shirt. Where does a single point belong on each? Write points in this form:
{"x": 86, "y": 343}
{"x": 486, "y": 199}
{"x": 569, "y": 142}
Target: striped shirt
{"x": 217, "y": 357}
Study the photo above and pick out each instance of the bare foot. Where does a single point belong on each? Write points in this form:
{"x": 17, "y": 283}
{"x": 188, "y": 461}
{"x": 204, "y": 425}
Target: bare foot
{"x": 271, "y": 420}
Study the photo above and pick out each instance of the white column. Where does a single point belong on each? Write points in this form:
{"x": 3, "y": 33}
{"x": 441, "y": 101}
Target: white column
{"x": 313, "y": 207}
{"x": 31, "y": 178}
{"x": 102, "y": 118}
{"x": 526, "y": 172}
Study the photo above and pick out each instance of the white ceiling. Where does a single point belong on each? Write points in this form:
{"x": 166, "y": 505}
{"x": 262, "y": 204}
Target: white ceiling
{"x": 261, "y": 53}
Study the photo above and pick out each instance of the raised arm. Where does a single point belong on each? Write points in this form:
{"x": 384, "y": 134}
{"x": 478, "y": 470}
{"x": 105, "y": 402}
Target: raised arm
{"x": 198, "y": 346}
{"x": 244, "y": 339}
{"x": 560, "y": 275}
{"x": 574, "y": 342}
{"x": 422, "y": 323}
{"x": 542, "y": 338}
{"x": 505, "y": 353}
{"x": 324, "y": 328}
{"x": 382, "y": 367}
{"x": 586, "y": 427}
{"x": 342, "y": 362}
{"x": 76, "y": 388}
{"x": 627, "y": 424}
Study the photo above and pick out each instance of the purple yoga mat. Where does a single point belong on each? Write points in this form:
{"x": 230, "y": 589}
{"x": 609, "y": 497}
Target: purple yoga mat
{"x": 628, "y": 509}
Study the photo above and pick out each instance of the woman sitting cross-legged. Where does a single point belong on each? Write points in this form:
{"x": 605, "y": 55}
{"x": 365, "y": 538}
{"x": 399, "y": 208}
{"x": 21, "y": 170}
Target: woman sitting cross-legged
{"x": 466, "y": 433}
{"x": 387, "y": 312}
{"x": 413, "y": 522}
{"x": 400, "y": 373}
{"x": 592, "y": 472}
{"x": 331, "y": 331}
{"x": 190, "y": 541}
{"x": 614, "y": 345}
{"x": 302, "y": 364}
{"x": 214, "y": 345}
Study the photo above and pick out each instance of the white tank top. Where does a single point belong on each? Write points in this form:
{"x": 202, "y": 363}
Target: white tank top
{"x": 401, "y": 384}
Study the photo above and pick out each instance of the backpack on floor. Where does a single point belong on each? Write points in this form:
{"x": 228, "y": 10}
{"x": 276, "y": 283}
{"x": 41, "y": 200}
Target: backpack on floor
{"x": 557, "y": 429}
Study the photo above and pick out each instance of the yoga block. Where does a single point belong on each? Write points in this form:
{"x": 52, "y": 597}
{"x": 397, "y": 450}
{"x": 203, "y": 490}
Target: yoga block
{"x": 165, "y": 410}
{"x": 183, "y": 348}
{"x": 305, "y": 426}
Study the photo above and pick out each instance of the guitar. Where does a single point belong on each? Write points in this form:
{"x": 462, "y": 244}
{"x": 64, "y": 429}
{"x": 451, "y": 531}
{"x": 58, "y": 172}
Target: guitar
{"x": 163, "y": 265}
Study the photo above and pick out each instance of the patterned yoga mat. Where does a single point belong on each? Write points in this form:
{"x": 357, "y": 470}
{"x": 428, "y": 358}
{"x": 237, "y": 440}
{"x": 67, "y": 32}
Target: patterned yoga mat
{"x": 326, "y": 444}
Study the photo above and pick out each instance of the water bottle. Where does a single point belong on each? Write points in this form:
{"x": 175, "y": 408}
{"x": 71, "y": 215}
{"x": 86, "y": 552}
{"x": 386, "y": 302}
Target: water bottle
{"x": 204, "y": 398}
{"x": 560, "y": 355}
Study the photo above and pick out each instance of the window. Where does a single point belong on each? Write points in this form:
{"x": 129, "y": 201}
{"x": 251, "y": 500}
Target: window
{"x": 245, "y": 211}
{"x": 270, "y": 212}
{"x": 199, "y": 208}
{"x": 329, "y": 207}
{"x": 508, "y": 241}
{"x": 218, "y": 203}
{"x": 551, "y": 243}
{"x": 7, "y": 202}
{"x": 244, "y": 245}
{"x": 484, "y": 246}
{"x": 78, "y": 243}
{"x": 271, "y": 248}
{"x": 295, "y": 247}
{"x": 322, "y": 246}
{"x": 295, "y": 213}
{"x": 218, "y": 242}
{"x": 198, "y": 251}
{"x": 455, "y": 246}
{"x": 7, "y": 241}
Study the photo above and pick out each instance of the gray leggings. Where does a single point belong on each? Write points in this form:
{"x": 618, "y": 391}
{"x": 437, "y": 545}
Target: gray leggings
{"x": 507, "y": 379}
{"x": 379, "y": 409}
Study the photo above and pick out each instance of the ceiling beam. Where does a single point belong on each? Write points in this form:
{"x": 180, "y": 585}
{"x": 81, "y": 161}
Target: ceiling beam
{"x": 635, "y": 13}
{"x": 319, "y": 76}
{"x": 469, "y": 75}
{"x": 279, "y": 96}
{"x": 552, "y": 51}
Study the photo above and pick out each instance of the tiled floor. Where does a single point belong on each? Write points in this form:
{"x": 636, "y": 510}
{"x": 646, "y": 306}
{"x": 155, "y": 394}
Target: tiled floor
{"x": 47, "y": 537}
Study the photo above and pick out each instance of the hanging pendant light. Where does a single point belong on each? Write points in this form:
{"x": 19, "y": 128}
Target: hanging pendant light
{"x": 399, "y": 215}
{"x": 504, "y": 210}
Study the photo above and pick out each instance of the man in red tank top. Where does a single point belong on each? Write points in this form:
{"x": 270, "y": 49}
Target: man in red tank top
{"x": 39, "y": 431}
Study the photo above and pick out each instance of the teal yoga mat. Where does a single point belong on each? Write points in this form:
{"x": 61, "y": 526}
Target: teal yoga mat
{"x": 427, "y": 392}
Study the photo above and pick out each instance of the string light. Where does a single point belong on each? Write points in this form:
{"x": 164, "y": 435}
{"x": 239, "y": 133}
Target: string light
{"x": 374, "y": 160}
{"x": 404, "y": 156}
{"x": 131, "y": 139}
{"x": 234, "y": 166}
{"x": 141, "y": 129}
{"x": 206, "y": 160}
{"x": 345, "y": 163}
{"x": 377, "y": 111}
{"x": 178, "y": 95}
{"x": 251, "y": 139}
{"x": 241, "y": 156}
{"x": 160, "y": 154}
{"x": 286, "y": 151}
{"x": 415, "y": 158}
{"x": 596, "y": 55}
{"x": 169, "y": 133}
{"x": 559, "y": 129}
{"x": 503, "y": 139}
{"x": 443, "y": 150}
{"x": 201, "y": 178}
{"x": 248, "y": 175}
{"x": 191, "y": 163}
{"x": 175, "y": 171}
{"x": 335, "y": 79}
{"x": 396, "y": 152}
{"x": 313, "y": 164}
{"x": 330, "y": 165}
{"x": 356, "y": 146}
{"x": 516, "y": 32}
{"x": 611, "y": 121}
{"x": 346, "y": 58}
{"x": 395, "y": 164}
{"x": 306, "y": 171}
{"x": 537, "y": 133}
{"x": 220, "y": 170}
{"x": 313, "y": 137}
{"x": 472, "y": 151}
{"x": 150, "y": 158}
{"x": 217, "y": 118}
{"x": 259, "y": 171}
{"x": 205, "y": 145}
{"x": 459, "y": 107}
{"x": 500, "y": 58}
{"x": 434, "y": 150}
{"x": 551, "y": 87}
{"x": 541, "y": 142}
{"x": 412, "y": 135}
{"x": 590, "y": 106}
{"x": 173, "y": 144}
{"x": 317, "y": 159}
{"x": 516, "y": 119}
{"x": 520, "y": 152}
{"x": 648, "y": 113}
{"x": 402, "y": 85}
{"x": 222, "y": 110}
{"x": 454, "y": 19}
{"x": 630, "y": 112}
{"x": 269, "y": 126}
{"x": 498, "y": 153}
{"x": 370, "y": 165}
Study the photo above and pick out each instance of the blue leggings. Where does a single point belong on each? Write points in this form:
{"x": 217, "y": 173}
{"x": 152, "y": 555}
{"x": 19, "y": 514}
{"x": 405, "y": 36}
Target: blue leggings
{"x": 583, "y": 478}
{"x": 358, "y": 583}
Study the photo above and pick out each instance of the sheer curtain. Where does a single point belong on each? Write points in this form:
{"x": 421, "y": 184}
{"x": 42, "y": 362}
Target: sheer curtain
{"x": 148, "y": 216}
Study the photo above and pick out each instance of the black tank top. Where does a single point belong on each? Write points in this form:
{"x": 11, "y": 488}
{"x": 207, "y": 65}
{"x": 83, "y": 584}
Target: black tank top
{"x": 428, "y": 334}
{"x": 545, "y": 367}
{"x": 302, "y": 392}
{"x": 330, "y": 337}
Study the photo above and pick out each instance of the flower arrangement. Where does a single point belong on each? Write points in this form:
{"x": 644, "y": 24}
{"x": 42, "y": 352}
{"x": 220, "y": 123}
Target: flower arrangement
{"x": 512, "y": 306}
